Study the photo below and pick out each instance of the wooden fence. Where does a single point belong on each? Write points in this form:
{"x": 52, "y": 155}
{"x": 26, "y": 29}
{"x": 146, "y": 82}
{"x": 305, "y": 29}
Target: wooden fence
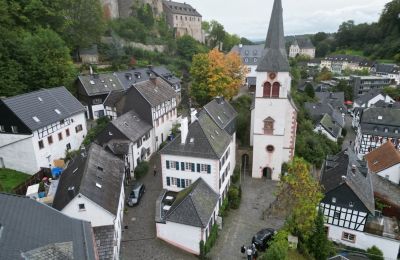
{"x": 34, "y": 179}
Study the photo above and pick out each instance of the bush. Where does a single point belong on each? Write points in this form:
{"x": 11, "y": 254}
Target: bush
{"x": 278, "y": 248}
{"x": 212, "y": 238}
{"x": 236, "y": 175}
{"x": 223, "y": 210}
{"x": 234, "y": 197}
{"x": 374, "y": 253}
{"x": 344, "y": 132}
{"x": 101, "y": 123}
{"x": 69, "y": 154}
{"x": 141, "y": 169}
{"x": 162, "y": 145}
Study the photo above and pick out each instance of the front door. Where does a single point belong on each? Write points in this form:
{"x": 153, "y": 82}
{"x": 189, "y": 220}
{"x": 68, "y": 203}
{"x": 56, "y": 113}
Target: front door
{"x": 267, "y": 173}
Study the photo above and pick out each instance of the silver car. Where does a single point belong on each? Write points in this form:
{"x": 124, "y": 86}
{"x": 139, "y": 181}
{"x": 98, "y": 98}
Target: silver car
{"x": 136, "y": 194}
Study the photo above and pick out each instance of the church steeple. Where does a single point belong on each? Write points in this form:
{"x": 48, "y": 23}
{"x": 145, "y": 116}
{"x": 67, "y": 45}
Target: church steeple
{"x": 275, "y": 57}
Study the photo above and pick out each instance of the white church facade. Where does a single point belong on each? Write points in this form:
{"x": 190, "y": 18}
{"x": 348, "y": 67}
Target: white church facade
{"x": 273, "y": 115}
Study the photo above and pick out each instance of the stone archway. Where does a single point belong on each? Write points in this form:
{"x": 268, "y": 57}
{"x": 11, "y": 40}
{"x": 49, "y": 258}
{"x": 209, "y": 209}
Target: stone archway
{"x": 267, "y": 173}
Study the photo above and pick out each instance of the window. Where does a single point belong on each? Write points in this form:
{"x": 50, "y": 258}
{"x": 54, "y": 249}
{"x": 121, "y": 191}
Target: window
{"x": 68, "y": 146}
{"x": 270, "y": 148}
{"x": 351, "y": 204}
{"x": 50, "y": 139}
{"x": 97, "y": 101}
{"x": 336, "y": 214}
{"x": 188, "y": 182}
{"x": 188, "y": 166}
{"x": 81, "y": 207}
{"x": 139, "y": 143}
{"x": 269, "y": 126}
{"x": 172, "y": 164}
{"x": 348, "y": 237}
{"x": 60, "y": 137}
{"x": 14, "y": 129}
{"x": 275, "y": 90}
{"x": 203, "y": 167}
{"x": 267, "y": 90}
{"x": 2, "y": 128}
{"x": 67, "y": 132}
{"x": 41, "y": 144}
{"x": 78, "y": 128}
{"x": 333, "y": 200}
{"x": 249, "y": 69}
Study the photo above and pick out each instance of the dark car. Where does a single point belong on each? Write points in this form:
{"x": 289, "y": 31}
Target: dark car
{"x": 136, "y": 194}
{"x": 261, "y": 239}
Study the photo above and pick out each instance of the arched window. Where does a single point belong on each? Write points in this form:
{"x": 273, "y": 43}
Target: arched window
{"x": 269, "y": 126}
{"x": 267, "y": 90}
{"x": 275, "y": 90}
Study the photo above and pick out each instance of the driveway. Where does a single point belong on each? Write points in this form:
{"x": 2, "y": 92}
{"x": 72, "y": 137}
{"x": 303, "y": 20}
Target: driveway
{"x": 139, "y": 238}
{"x": 240, "y": 225}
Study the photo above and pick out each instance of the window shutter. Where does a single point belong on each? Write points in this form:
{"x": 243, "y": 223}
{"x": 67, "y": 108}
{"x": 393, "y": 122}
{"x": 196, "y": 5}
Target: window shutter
{"x": 168, "y": 181}
{"x": 192, "y": 164}
{"x": 198, "y": 167}
{"x": 183, "y": 183}
{"x": 167, "y": 164}
{"x": 182, "y": 166}
{"x": 177, "y": 165}
{"x": 208, "y": 168}
{"x": 178, "y": 183}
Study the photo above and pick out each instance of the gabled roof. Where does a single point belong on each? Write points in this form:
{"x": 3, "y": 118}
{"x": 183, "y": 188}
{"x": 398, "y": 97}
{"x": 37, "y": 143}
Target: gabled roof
{"x": 356, "y": 177}
{"x": 31, "y": 227}
{"x": 221, "y": 112}
{"x": 155, "y": 91}
{"x": 363, "y": 99}
{"x": 275, "y": 58}
{"x": 204, "y": 140}
{"x": 250, "y": 54}
{"x": 318, "y": 110}
{"x": 194, "y": 206}
{"x": 114, "y": 97}
{"x": 166, "y": 74}
{"x": 350, "y": 59}
{"x": 130, "y": 77}
{"x": 104, "y": 236}
{"x": 97, "y": 176}
{"x": 383, "y": 157}
{"x": 47, "y": 105}
{"x": 131, "y": 125}
{"x": 303, "y": 43}
{"x": 180, "y": 8}
{"x": 387, "y": 68}
{"x": 98, "y": 84}
{"x": 381, "y": 116}
{"x": 328, "y": 124}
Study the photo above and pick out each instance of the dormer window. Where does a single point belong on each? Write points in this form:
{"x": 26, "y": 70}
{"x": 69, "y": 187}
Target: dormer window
{"x": 333, "y": 200}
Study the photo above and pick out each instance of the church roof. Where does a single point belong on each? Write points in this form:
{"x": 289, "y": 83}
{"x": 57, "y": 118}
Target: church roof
{"x": 275, "y": 57}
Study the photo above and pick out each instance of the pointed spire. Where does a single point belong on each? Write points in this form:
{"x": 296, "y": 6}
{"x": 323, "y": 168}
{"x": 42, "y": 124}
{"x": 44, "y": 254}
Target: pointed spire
{"x": 275, "y": 58}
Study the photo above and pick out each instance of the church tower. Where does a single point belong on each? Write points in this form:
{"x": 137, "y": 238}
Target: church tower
{"x": 273, "y": 115}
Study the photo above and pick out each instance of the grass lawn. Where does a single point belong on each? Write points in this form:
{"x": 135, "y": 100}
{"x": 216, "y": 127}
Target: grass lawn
{"x": 9, "y": 179}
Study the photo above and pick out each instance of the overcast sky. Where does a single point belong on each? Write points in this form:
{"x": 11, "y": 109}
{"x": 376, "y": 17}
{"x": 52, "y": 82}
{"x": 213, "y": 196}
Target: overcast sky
{"x": 250, "y": 18}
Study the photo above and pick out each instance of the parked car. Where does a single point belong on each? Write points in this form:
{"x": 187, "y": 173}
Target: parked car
{"x": 136, "y": 194}
{"x": 261, "y": 239}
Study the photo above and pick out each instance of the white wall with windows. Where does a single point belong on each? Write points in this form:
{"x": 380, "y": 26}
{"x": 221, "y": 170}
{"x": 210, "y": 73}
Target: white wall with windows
{"x": 164, "y": 117}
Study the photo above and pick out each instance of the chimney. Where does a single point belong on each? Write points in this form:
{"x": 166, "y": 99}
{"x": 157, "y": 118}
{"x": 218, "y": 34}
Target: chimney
{"x": 71, "y": 192}
{"x": 184, "y": 130}
{"x": 344, "y": 178}
{"x": 193, "y": 113}
{"x": 353, "y": 169}
{"x": 240, "y": 46}
{"x": 91, "y": 70}
{"x": 220, "y": 100}
{"x": 153, "y": 78}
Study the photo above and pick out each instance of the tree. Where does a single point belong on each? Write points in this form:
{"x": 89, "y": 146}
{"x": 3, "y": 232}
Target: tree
{"x": 302, "y": 193}
{"x": 145, "y": 15}
{"x": 392, "y": 92}
{"x": 374, "y": 253}
{"x": 217, "y": 34}
{"x": 344, "y": 86}
{"x": 278, "y": 248}
{"x": 215, "y": 74}
{"x": 324, "y": 74}
{"x": 187, "y": 46}
{"x": 309, "y": 90}
{"x": 319, "y": 244}
{"x": 319, "y": 37}
{"x": 230, "y": 40}
{"x": 246, "y": 41}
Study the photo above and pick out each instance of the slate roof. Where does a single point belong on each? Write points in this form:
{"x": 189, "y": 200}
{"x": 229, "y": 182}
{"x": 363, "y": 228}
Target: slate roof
{"x": 250, "y": 54}
{"x": 351, "y": 59}
{"x": 222, "y": 113}
{"x": 98, "y": 84}
{"x": 131, "y": 125}
{"x": 383, "y": 157}
{"x": 43, "y": 104}
{"x": 194, "y": 206}
{"x": 168, "y": 76}
{"x": 387, "y": 68}
{"x": 83, "y": 173}
{"x": 372, "y": 124}
{"x": 318, "y": 110}
{"x": 155, "y": 91}
{"x": 113, "y": 97}
{"x": 303, "y": 43}
{"x": 359, "y": 182}
{"x": 386, "y": 189}
{"x": 332, "y": 128}
{"x": 104, "y": 236}
{"x": 275, "y": 57}
{"x": 61, "y": 251}
{"x": 363, "y": 99}
{"x": 130, "y": 77}
{"x": 28, "y": 225}
{"x": 180, "y": 8}
{"x": 208, "y": 140}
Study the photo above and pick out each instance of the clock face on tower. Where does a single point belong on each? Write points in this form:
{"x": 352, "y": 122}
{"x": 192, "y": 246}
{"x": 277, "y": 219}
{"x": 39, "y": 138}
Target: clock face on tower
{"x": 272, "y": 75}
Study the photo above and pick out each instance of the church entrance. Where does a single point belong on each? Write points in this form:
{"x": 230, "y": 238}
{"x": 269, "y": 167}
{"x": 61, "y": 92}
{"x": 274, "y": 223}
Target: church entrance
{"x": 267, "y": 173}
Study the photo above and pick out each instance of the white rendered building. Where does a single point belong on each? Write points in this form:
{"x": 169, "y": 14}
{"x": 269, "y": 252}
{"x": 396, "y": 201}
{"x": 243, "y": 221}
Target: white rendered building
{"x": 39, "y": 127}
{"x": 302, "y": 46}
{"x": 92, "y": 189}
{"x": 273, "y": 115}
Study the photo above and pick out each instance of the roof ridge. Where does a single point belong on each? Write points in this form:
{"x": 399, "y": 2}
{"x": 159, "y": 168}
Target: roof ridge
{"x": 208, "y": 140}
{"x": 177, "y": 206}
{"x": 51, "y": 94}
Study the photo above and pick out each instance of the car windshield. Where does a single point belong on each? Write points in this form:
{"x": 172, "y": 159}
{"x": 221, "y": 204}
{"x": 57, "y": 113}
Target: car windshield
{"x": 134, "y": 193}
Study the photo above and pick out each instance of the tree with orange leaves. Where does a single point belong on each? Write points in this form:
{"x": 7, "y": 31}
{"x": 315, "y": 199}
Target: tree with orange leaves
{"x": 216, "y": 74}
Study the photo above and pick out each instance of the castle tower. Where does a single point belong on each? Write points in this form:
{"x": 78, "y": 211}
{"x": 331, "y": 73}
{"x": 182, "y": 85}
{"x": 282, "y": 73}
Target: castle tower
{"x": 273, "y": 117}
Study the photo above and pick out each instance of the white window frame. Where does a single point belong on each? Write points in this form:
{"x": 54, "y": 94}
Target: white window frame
{"x": 349, "y": 237}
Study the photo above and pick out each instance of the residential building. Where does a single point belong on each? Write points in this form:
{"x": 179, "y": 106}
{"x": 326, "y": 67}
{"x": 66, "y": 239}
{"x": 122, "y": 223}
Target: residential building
{"x": 377, "y": 126}
{"x": 328, "y": 127}
{"x": 89, "y": 55}
{"x": 302, "y": 46}
{"x": 339, "y": 62}
{"x": 335, "y": 99}
{"x": 273, "y": 118}
{"x": 250, "y": 54}
{"x": 110, "y": 103}
{"x": 183, "y": 19}
{"x": 186, "y": 218}
{"x": 32, "y": 230}
{"x": 349, "y": 207}
{"x": 372, "y": 97}
{"x": 387, "y": 70}
{"x": 385, "y": 161}
{"x": 93, "y": 89}
{"x": 92, "y": 189}
{"x": 363, "y": 84}
{"x": 130, "y": 138}
{"x": 155, "y": 102}
{"x": 37, "y": 128}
